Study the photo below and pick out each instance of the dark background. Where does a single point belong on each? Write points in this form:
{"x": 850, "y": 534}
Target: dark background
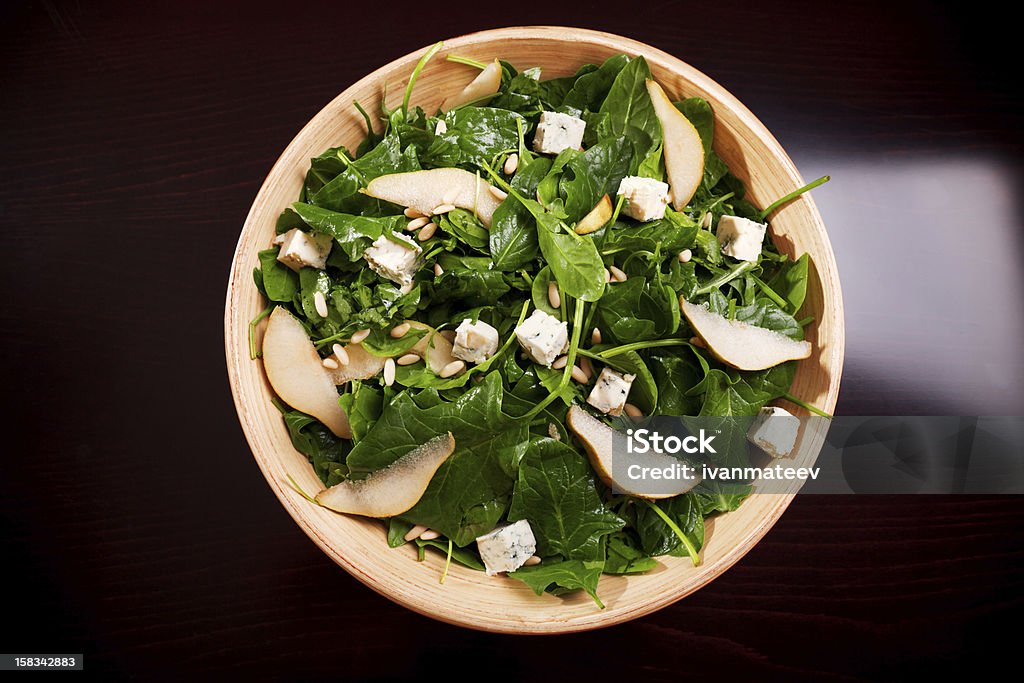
{"x": 134, "y": 525}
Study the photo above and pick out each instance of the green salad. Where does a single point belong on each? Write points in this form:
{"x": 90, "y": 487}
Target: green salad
{"x": 458, "y": 303}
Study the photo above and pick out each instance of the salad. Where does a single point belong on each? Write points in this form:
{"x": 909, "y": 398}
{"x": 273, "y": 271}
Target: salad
{"x": 467, "y": 308}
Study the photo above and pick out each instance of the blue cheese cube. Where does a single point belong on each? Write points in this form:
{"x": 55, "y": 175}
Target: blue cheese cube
{"x": 774, "y": 431}
{"x": 543, "y": 337}
{"x": 741, "y": 238}
{"x": 610, "y": 391}
{"x": 557, "y": 132}
{"x": 507, "y": 548}
{"x": 646, "y": 198}
{"x": 475, "y": 342}
{"x": 300, "y": 250}
{"x": 394, "y": 259}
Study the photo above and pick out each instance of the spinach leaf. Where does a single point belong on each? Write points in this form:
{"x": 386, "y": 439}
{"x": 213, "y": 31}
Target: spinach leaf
{"x": 638, "y": 310}
{"x": 513, "y": 239}
{"x": 573, "y": 259}
{"x": 669, "y": 235}
{"x": 629, "y": 112}
{"x": 463, "y": 556}
{"x": 556, "y": 493}
{"x": 280, "y": 282}
{"x": 765, "y": 313}
{"x": 657, "y": 538}
{"x": 590, "y": 89}
{"x": 676, "y": 376}
{"x": 790, "y": 282}
{"x": 474, "y": 135}
{"x": 720, "y": 496}
{"x": 624, "y": 557}
{"x": 363, "y": 405}
{"x": 539, "y": 292}
{"x": 471, "y": 491}
{"x": 325, "y": 451}
{"x": 565, "y": 576}
{"x": 593, "y": 174}
{"x": 353, "y": 234}
{"x": 466, "y": 229}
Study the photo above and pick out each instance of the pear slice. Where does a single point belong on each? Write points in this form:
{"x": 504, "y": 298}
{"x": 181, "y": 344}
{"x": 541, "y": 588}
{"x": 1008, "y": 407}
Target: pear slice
{"x": 601, "y": 441}
{"x": 597, "y": 217}
{"x": 433, "y": 348}
{"x": 742, "y": 345}
{"x": 684, "y": 151}
{"x": 394, "y": 489}
{"x": 361, "y": 365}
{"x": 486, "y": 83}
{"x": 297, "y": 375}
{"x": 427, "y": 190}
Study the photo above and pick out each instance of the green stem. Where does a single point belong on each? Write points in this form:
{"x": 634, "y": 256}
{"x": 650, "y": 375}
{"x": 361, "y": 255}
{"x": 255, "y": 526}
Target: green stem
{"x": 253, "y": 353}
{"x": 793, "y": 195}
{"x": 726, "y": 278}
{"x": 366, "y": 117}
{"x": 618, "y": 207}
{"x": 431, "y": 51}
{"x": 806, "y": 406}
{"x": 806, "y": 321}
{"x": 637, "y": 346}
{"x": 447, "y": 562}
{"x": 498, "y": 179}
{"x": 577, "y": 325}
{"x": 717, "y": 202}
{"x": 468, "y": 61}
{"x": 770, "y": 293}
{"x": 295, "y": 485}
{"x": 691, "y": 550}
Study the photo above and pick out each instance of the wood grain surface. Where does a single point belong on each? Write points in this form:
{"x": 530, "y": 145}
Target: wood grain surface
{"x": 134, "y": 140}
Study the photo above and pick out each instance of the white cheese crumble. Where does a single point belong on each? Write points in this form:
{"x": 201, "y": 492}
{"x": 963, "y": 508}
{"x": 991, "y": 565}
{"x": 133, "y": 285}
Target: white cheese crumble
{"x": 507, "y": 548}
{"x": 610, "y": 391}
{"x": 774, "y": 431}
{"x": 557, "y": 132}
{"x": 543, "y": 337}
{"x": 646, "y": 198}
{"x": 741, "y": 238}
{"x": 475, "y": 342}
{"x": 300, "y": 250}
{"x": 394, "y": 260}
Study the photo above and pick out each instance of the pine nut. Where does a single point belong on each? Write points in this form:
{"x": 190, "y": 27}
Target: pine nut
{"x": 595, "y": 337}
{"x": 705, "y": 222}
{"x": 417, "y": 223}
{"x": 320, "y": 303}
{"x": 587, "y": 367}
{"x": 449, "y": 335}
{"x": 698, "y": 342}
{"x": 399, "y": 331}
{"x": 497, "y": 192}
{"x": 414, "y": 532}
{"x": 389, "y": 371}
{"x": 408, "y": 359}
{"x": 579, "y": 375}
{"x": 329, "y": 363}
{"x": 553, "y": 432}
{"x": 607, "y": 276}
{"x": 341, "y": 354}
{"x": 441, "y": 128}
{"x": 358, "y": 337}
{"x": 553, "y": 298}
{"x": 453, "y": 368}
{"x": 410, "y": 212}
{"x": 560, "y": 362}
{"x": 685, "y": 255}
{"x": 618, "y": 275}
{"x": 443, "y": 208}
{"x": 531, "y": 561}
{"x": 632, "y": 410}
{"x": 438, "y": 270}
{"x": 511, "y": 164}
{"x": 430, "y": 535}
{"x": 427, "y": 232}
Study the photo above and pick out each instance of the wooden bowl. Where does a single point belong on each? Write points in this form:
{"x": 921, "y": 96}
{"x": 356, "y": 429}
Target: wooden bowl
{"x": 470, "y": 598}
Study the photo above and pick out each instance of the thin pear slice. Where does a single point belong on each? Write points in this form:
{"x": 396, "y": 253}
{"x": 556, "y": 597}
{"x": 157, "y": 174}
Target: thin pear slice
{"x": 486, "y": 83}
{"x": 297, "y": 375}
{"x": 601, "y": 441}
{"x": 597, "y": 217}
{"x": 684, "y": 152}
{"x": 394, "y": 489}
{"x": 427, "y": 190}
{"x": 361, "y": 365}
{"x": 433, "y": 348}
{"x": 742, "y": 345}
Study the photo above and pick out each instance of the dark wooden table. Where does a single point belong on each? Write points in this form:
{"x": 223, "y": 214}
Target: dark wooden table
{"x": 135, "y": 526}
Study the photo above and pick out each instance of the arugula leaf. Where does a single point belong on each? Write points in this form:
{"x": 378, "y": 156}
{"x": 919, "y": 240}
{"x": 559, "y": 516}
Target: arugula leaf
{"x": 471, "y": 491}
{"x": 565, "y": 576}
{"x": 556, "y": 493}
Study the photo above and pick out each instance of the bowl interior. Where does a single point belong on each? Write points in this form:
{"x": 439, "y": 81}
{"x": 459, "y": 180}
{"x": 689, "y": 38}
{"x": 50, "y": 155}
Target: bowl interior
{"x": 470, "y": 598}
